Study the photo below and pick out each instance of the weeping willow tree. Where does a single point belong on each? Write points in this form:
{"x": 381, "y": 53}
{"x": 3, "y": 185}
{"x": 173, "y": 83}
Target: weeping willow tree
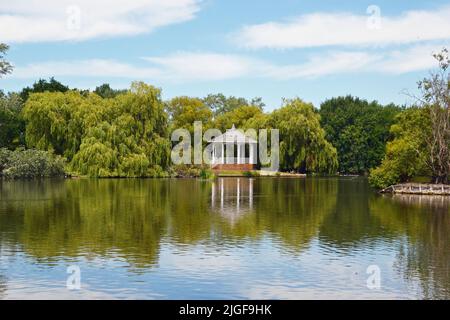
{"x": 303, "y": 146}
{"x": 121, "y": 136}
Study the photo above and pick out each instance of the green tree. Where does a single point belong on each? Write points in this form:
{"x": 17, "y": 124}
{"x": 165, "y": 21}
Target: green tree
{"x": 105, "y": 91}
{"x": 220, "y": 104}
{"x": 184, "y": 111}
{"x": 12, "y": 127}
{"x": 239, "y": 117}
{"x": 43, "y": 85}
{"x": 303, "y": 146}
{"x": 5, "y": 66}
{"x": 421, "y": 144}
{"x": 57, "y": 121}
{"x": 359, "y": 130}
{"x": 406, "y": 154}
{"x": 123, "y": 136}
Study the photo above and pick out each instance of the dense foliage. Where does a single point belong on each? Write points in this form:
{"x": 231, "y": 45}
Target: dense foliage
{"x": 406, "y": 153}
{"x": 359, "y": 130}
{"x": 30, "y": 164}
{"x": 184, "y": 111}
{"x": 239, "y": 117}
{"x": 12, "y": 127}
{"x": 105, "y": 91}
{"x": 303, "y": 146}
{"x": 124, "y": 136}
{"x": 43, "y": 85}
{"x": 220, "y": 104}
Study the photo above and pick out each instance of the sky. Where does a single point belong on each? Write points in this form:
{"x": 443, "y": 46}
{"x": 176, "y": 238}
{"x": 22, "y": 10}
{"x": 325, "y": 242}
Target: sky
{"x": 314, "y": 50}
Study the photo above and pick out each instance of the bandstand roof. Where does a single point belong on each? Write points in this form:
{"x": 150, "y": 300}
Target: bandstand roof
{"x": 233, "y": 135}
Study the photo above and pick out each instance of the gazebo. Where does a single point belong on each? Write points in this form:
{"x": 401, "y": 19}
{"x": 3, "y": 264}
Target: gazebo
{"x": 233, "y": 150}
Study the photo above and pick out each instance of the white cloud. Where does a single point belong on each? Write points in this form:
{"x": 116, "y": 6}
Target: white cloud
{"x": 329, "y": 29}
{"x": 181, "y": 66}
{"x": 192, "y": 66}
{"x": 59, "y": 20}
{"x": 202, "y": 66}
{"x": 416, "y": 58}
{"x": 85, "y": 68}
{"x": 324, "y": 64}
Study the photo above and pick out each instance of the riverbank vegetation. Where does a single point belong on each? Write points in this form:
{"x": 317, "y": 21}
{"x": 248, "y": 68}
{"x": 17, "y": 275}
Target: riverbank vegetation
{"x": 359, "y": 130}
{"x": 30, "y": 164}
{"x": 126, "y": 133}
{"x": 421, "y": 134}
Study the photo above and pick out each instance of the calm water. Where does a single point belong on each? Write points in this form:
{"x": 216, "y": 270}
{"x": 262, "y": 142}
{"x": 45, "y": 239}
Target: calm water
{"x": 264, "y": 238}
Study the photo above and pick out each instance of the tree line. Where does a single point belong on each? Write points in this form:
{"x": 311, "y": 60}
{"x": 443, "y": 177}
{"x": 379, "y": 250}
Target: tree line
{"x": 126, "y": 133}
{"x": 114, "y": 133}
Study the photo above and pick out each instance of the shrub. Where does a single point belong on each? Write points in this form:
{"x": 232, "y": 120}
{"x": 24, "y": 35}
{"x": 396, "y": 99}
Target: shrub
{"x": 30, "y": 164}
{"x": 190, "y": 171}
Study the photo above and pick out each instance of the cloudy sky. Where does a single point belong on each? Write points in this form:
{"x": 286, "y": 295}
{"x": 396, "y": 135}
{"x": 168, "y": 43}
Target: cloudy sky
{"x": 273, "y": 49}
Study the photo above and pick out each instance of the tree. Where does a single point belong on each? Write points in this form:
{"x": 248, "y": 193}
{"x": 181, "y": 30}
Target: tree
{"x": 12, "y": 127}
{"x": 220, "y": 104}
{"x": 303, "y": 146}
{"x": 421, "y": 144}
{"x": 57, "y": 121}
{"x": 435, "y": 96}
{"x": 184, "y": 111}
{"x": 238, "y": 116}
{"x": 122, "y": 136}
{"x": 359, "y": 130}
{"x": 406, "y": 154}
{"x": 105, "y": 91}
{"x": 5, "y": 66}
{"x": 43, "y": 85}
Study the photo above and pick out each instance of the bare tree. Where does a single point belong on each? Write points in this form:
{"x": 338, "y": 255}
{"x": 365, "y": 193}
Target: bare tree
{"x": 435, "y": 95}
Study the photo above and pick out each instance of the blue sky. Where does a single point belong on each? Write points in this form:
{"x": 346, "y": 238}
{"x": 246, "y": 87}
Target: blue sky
{"x": 274, "y": 49}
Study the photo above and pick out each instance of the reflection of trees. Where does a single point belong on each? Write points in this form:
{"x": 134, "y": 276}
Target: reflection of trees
{"x": 351, "y": 223}
{"x": 190, "y": 219}
{"x": 55, "y": 218}
{"x": 426, "y": 223}
{"x": 52, "y": 219}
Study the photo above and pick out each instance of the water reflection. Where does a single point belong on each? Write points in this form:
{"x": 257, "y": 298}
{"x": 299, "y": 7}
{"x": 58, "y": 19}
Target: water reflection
{"x": 232, "y": 197}
{"x": 271, "y": 226}
{"x": 425, "y": 221}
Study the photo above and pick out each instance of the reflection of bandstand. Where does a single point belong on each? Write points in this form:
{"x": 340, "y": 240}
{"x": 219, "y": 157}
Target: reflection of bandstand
{"x": 232, "y": 197}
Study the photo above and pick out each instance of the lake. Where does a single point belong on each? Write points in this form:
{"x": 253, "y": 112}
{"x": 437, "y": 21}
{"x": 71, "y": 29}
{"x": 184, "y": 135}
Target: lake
{"x": 231, "y": 238}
